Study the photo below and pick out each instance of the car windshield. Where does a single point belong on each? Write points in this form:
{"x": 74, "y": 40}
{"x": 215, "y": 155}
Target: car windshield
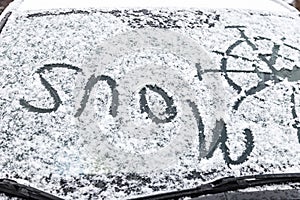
{"x": 114, "y": 103}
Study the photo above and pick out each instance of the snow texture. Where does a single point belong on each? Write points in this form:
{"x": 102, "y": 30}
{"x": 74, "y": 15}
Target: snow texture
{"x": 264, "y": 5}
{"x": 90, "y": 111}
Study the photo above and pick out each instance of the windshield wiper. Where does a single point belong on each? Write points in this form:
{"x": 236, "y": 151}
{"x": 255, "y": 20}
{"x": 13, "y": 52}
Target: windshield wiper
{"x": 227, "y": 184}
{"x": 14, "y": 189}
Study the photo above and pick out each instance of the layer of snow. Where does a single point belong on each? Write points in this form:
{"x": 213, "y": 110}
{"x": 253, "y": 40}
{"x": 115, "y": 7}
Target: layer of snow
{"x": 44, "y": 148}
{"x": 268, "y": 5}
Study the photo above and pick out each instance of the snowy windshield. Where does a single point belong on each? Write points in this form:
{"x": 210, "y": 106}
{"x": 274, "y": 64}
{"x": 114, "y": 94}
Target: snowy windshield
{"x": 116, "y": 103}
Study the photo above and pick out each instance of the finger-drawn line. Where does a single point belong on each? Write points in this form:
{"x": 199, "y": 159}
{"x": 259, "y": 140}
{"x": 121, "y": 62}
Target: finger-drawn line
{"x": 48, "y": 86}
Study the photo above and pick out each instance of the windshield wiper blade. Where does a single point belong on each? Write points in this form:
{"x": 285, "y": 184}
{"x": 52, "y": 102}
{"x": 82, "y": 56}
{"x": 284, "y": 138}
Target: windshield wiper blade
{"x": 12, "y": 188}
{"x": 227, "y": 184}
